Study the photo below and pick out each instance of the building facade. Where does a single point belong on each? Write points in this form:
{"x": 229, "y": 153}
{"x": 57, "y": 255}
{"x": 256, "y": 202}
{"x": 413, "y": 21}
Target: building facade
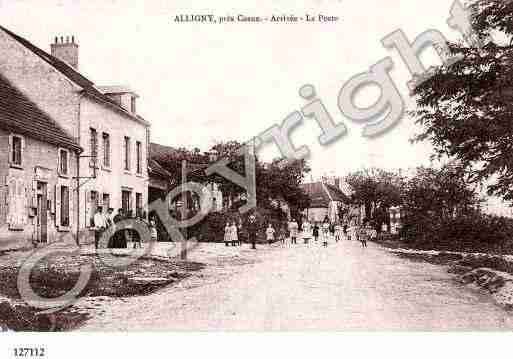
{"x": 112, "y": 169}
{"x": 38, "y": 163}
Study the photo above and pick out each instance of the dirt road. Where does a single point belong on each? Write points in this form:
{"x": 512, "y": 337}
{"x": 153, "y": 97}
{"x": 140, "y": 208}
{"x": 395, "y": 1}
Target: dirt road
{"x": 342, "y": 287}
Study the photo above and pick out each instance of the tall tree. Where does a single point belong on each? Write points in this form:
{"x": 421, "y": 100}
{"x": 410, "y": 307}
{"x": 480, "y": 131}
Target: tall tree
{"x": 466, "y": 108}
{"x": 375, "y": 187}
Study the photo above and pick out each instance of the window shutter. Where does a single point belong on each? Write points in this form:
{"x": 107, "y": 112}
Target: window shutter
{"x": 4, "y": 190}
{"x": 71, "y": 206}
{"x": 10, "y": 149}
{"x": 51, "y": 198}
{"x": 20, "y": 203}
{"x": 57, "y": 206}
{"x": 59, "y": 161}
{"x": 33, "y": 199}
{"x": 69, "y": 163}
{"x": 11, "y": 201}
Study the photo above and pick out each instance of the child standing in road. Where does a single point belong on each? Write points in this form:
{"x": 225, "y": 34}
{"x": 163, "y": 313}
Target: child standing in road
{"x": 306, "y": 232}
{"x": 293, "y": 228}
{"x": 282, "y": 234}
{"x": 153, "y": 231}
{"x": 227, "y": 234}
{"x": 233, "y": 234}
{"x": 338, "y": 232}
{"x": 363, "y": 235}
{"x": 269, "y": 232}
{"x": 325, "y": 233}
{"x": 315, "y": 231}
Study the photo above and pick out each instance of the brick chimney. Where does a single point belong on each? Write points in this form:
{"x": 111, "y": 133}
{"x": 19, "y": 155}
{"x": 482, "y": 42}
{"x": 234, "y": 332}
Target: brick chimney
{"x": 66, "y": 51}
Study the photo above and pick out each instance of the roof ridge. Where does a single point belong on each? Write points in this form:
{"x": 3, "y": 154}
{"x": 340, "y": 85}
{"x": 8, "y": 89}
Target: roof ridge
{"x": 70, "y": 73}
{"x": 30, "y": 113}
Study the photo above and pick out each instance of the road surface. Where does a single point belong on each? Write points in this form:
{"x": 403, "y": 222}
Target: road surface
{"x": 342, "y": 287}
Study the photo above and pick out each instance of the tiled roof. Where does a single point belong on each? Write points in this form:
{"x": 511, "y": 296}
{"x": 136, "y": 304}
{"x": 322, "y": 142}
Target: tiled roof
{"x": 322, "y": 193}
{"x": 75, "y": 76}
{"x": 163, "y": 154}
{"x": 155, "y": 169}
{"x": 19, "y": 114}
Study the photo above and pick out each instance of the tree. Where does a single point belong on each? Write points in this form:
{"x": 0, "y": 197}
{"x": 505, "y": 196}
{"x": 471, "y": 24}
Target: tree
{"x": 280, "y": 181}
{"x": 439, "y": 193}
{"x": 377, "y": 190}
{"x": 466, "y": 108}
{"x": 440, "y": 209}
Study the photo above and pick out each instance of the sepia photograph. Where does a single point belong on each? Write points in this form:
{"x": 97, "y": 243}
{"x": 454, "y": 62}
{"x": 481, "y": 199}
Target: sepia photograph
{"x": 249, "y": 167}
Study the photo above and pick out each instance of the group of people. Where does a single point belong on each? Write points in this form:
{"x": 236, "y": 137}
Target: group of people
{"x": 325, "y": 231}
{"x": 318, "y": 231}
{"x": 107, "y": 223}
{"x": 233, "y": 232}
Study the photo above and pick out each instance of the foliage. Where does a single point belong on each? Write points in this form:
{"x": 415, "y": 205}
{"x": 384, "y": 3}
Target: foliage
{"x": 378, "y": 190}
{"x": 438, "y": 193}
{"x": 465, "y": 109}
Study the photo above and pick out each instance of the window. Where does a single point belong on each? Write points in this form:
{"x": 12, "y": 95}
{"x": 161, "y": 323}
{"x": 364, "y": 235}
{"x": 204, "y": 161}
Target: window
{"x": 63, "y": 162}
{"x": 127, "y": 153}
{"x": 125, "y": 201}
{"x": 132, "y": 104}
{"x": 138, "y": 147}
{"x": 106, "y": 150}
{"x": 65, "y": 206}
{"x": 16, "y": 150}
{"x": 138, "y": 205}
{"x": 94, "y": 146}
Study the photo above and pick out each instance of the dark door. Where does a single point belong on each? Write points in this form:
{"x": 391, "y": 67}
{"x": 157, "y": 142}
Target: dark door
{"x": 42, "y": 212}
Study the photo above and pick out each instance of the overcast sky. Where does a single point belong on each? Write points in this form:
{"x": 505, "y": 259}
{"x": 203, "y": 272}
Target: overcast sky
{"x": 202, "y": 83}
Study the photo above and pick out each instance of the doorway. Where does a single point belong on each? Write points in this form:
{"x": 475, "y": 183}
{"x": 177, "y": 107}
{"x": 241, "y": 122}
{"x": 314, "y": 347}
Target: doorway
{"x": 42, "y": 212}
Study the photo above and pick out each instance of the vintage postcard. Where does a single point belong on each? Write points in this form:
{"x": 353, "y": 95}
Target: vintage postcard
{"x": 264, "y": 166}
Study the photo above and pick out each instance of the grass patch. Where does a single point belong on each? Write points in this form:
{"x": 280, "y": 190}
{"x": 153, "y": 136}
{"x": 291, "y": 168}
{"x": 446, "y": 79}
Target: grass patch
{"x": 55, "y": 276}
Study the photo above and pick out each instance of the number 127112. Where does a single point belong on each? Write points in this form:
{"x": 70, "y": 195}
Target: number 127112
{"x": 29, "y": 352}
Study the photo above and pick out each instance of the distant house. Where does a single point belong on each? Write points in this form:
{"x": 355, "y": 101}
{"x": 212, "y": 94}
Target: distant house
{"x": 326, "y": 200}
{"x": 38, "y": 164}
{"x": 169, "y": 160}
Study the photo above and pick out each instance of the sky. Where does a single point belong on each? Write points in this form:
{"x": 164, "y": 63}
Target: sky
{"x": 204, "y": 83}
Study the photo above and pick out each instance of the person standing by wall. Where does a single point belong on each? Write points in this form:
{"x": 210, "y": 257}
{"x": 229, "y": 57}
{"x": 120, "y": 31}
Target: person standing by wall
{"x": 99, "y": 226}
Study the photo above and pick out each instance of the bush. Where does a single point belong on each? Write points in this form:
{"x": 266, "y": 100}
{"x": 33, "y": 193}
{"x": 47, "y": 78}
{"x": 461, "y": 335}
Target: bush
{"x": 475, "y": 232}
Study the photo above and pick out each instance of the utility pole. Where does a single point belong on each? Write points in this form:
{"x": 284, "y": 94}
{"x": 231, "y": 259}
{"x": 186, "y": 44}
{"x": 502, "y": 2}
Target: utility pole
{"x": 183, "y": 253}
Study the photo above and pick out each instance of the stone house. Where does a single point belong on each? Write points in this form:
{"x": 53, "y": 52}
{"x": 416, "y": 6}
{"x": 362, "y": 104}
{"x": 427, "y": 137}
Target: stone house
{"x": 325, "y": 201}
{"x": 38, "y": 163}
{"x": 112, "y": 169}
